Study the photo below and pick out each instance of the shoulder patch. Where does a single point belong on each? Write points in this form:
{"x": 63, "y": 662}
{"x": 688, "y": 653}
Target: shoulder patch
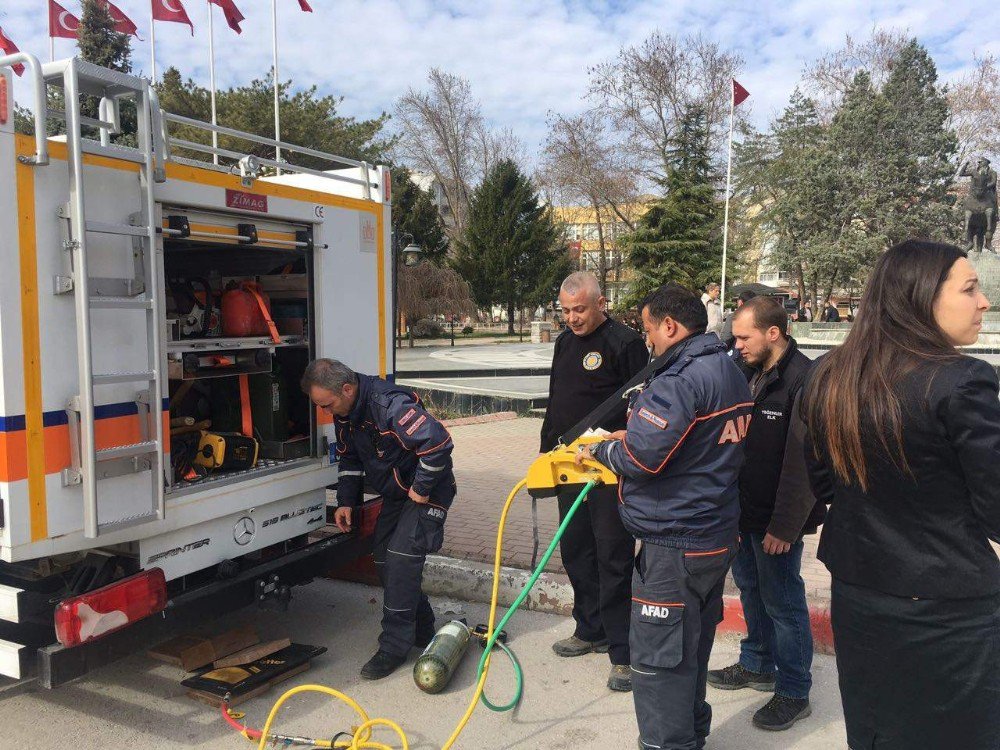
{"x": 654, "y": 419}
{"x": 416, "y": 425}
{"x": 407, "y": 417}
{"x": 592, "y": 360}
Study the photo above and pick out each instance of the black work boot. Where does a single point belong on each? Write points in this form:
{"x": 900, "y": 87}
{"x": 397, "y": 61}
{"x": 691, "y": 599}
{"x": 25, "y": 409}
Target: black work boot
{"x": 781, "y": 712}
{"x": 574, "y": 646}
{"x": 620, "y": 679}
{"x": 737, "y": 676}
{"x": 381, "y": 665}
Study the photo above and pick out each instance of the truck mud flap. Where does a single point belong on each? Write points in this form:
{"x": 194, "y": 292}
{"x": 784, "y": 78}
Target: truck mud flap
{"x": 57, "y": 665}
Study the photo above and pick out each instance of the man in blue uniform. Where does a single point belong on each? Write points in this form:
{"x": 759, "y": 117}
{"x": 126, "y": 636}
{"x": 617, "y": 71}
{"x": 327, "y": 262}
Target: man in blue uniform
{"x": 385, "y": 436}
{"x": 679, "y": 461}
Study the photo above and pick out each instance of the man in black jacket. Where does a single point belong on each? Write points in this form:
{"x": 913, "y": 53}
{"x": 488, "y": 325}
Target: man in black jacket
{"x": 594, "y": 357}
{"x": 386, "y": 440}
{"x": 776, "y": 508}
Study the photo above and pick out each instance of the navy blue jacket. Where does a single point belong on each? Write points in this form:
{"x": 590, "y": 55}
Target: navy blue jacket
{"x": 680, "y": 461}
{"x": 392, "y": 441}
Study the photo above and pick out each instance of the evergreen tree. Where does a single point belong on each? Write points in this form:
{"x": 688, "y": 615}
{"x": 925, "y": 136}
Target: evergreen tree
{"x": 680, "y": 237}
{"x": 99, "y": 42}
{"x": 512, "y": 253}
{"x": 414, "y": 213}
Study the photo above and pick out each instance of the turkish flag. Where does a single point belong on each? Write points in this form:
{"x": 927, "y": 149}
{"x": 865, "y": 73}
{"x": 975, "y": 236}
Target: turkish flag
{"x": 172, "y": 11}
{"x": 62, "y": 23}
{"x": 740, "y": 94}
{"x": 9, "y": 48}
{"x": 233, "y": 16}
{"x": 123, "y": 24}
{"x": 305, "y": 6}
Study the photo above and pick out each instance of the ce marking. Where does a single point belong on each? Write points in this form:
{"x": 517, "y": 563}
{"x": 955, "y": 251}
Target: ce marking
{"x": 320, "y": 212}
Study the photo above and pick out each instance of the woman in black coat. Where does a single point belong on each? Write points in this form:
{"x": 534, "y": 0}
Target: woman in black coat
{"x": 904, "y": 444}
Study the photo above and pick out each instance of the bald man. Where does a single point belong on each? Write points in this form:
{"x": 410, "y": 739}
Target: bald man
{"x": 594, "y": 357}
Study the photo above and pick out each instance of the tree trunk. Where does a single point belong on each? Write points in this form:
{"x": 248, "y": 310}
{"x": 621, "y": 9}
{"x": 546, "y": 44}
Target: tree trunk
{"x": 602, "y": 250}
{"x": 802, "y": 286}
{"x": 510, "y": 318}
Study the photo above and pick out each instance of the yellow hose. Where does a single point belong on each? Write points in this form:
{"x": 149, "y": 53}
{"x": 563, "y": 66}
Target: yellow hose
{"x": 362, "y": 735}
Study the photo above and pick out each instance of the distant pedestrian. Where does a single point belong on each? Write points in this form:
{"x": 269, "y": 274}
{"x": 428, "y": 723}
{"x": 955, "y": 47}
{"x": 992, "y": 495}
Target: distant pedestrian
{"x": 808, "y": 312}
{"x": 594, "y": 357}
{"x": 713, "y": 306}
{"x": 830, "y": 313}
{"x": 903, "y": 441}
{"x": 776, "y": 509}
{"x": 727, "y": 327}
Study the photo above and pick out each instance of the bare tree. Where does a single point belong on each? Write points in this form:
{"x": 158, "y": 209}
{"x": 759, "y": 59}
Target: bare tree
{"x": 974, "y": 101}
{"x": 444, "y": 133}
{"x": 828, "y": 78}
{"x": 582, "y": 166}
{"x": 647, "y": 89}
{"x": 429, "y": 289}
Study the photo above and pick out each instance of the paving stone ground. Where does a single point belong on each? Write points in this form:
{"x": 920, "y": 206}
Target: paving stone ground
{"x": 489, "y": 459}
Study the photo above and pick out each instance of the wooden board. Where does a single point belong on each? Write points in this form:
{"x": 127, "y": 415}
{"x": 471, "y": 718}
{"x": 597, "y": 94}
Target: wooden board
{"x": 191, "y": 652}
{"x": 215, "y": 701}
{"x": 253, "y": 653}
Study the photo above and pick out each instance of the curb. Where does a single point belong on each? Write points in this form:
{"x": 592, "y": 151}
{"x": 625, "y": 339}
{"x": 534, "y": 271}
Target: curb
{"x": 473, "y": 581}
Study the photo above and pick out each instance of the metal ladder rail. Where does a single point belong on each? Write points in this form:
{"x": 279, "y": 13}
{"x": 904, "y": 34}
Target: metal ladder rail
{"x": 86, "y": 455}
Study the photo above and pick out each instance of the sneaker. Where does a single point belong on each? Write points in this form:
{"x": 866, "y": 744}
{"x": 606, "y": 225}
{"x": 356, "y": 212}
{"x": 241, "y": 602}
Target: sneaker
{"x": 574, "y": 646}
{"x": 781, "y": 712}
{"x": 381, "y": 665}
{"x": 737, "y": 676}
{"x": 620, "y": 679}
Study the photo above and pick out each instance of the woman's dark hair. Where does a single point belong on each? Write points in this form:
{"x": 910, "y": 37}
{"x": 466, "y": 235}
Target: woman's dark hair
{"x": 853, "y": 388}
{"x": 674, "y": 301}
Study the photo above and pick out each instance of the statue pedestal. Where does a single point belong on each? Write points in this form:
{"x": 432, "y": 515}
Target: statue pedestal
{"x": 987, "y": 265}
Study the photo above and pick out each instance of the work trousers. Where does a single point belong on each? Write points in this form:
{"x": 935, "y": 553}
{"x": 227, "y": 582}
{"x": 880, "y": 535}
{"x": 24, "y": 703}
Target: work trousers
{"x": 676, "y": 606}
{"x": 917, "y": 674}
{"x": 405, "y": 533}
{"x": 598, "y": 553}
{"x": 773, "y": 595}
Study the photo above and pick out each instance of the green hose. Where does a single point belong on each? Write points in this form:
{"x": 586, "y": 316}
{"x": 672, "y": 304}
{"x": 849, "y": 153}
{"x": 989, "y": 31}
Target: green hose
{"x": 518, "y": 673}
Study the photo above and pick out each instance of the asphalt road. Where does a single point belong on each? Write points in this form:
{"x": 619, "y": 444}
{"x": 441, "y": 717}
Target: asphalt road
{"x": 139, "y": 703}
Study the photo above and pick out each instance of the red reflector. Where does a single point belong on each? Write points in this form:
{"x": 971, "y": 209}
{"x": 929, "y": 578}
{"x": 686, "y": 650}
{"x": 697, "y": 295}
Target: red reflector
{"x": 102, "y": 611}
{"x": 3, "y": 100}
{"x": 369, "y": 515}
{"x": 388, "y": 186}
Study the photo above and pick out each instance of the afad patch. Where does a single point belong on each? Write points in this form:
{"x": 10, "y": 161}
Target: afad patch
{"x": 416, "y": 425}
{"x": 592, "y": 360}
{"x": 653, "y": 419}
{"x": 407, "y": 417}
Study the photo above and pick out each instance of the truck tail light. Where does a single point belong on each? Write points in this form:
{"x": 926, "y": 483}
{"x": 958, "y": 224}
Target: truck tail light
{"x": 88, "y": 616}
{"x": 4, "y": 100}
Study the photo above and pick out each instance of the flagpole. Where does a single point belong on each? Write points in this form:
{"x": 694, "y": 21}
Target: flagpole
{"x": 152, "y": 38}
{"x": 277, "y": 113}
{"x": 729, "y": 175}
{"x": 211, "y": 75}
{"x": 52, "y": 47}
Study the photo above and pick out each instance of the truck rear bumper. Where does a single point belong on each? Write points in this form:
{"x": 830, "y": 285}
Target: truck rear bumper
{"x": 57, "y": 665}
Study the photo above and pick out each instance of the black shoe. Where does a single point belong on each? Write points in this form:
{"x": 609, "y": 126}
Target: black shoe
{"x": 781, "y": 712}
{"x": 424, "y": 636}
{"x": 574, "y": 646}
{"x": 620, "y": 678}
{"x": 737, "y": 676}
{"x": 381, "y": 665}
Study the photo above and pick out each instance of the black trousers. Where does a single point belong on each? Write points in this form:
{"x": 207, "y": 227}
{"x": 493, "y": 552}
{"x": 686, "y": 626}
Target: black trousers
{"x": 598, "y": 553}
{"x": 917, "y": 674}
{"x": 405, "y": 533}
{"x": 676, "y": 606}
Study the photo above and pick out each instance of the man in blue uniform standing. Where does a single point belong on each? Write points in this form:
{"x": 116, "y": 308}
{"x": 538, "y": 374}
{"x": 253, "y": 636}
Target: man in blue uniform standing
{"x": 384, "y": 435}
{"x": 679, "y": 461}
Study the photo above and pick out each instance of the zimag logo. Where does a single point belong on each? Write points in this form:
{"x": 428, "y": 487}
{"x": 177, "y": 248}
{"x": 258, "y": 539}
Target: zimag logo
{"x": 246, "y": 201}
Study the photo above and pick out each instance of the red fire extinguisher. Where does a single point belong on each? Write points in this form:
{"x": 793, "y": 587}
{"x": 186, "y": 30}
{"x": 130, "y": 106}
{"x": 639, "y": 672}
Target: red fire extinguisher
{"x": 246, "y": 311}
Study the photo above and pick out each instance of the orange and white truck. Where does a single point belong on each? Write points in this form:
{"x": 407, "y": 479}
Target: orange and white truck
{"x": 158, "y": 304}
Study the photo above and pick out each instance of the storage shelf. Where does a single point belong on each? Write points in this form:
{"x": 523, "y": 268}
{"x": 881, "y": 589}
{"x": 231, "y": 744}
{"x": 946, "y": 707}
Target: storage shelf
{"x": 222, "y": 344}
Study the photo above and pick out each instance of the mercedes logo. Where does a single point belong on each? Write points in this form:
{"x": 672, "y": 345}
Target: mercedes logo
{"x": 244, "y": 530}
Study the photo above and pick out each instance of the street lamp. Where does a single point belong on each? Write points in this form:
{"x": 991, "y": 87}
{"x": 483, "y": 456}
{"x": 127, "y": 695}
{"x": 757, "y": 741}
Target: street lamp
{"x": 411, "y": 255}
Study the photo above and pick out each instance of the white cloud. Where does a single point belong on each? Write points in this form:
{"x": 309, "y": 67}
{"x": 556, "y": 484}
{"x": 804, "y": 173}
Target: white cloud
{"x": 522, "y": 59}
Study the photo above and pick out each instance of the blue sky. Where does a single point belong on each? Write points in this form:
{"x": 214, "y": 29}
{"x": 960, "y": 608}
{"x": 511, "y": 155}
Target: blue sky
{"x": 523, "y": 59}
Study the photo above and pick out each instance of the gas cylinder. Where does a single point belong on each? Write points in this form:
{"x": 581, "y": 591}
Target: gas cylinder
{"x": 241, "y": 310}
{"x": 437, "y": 664}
